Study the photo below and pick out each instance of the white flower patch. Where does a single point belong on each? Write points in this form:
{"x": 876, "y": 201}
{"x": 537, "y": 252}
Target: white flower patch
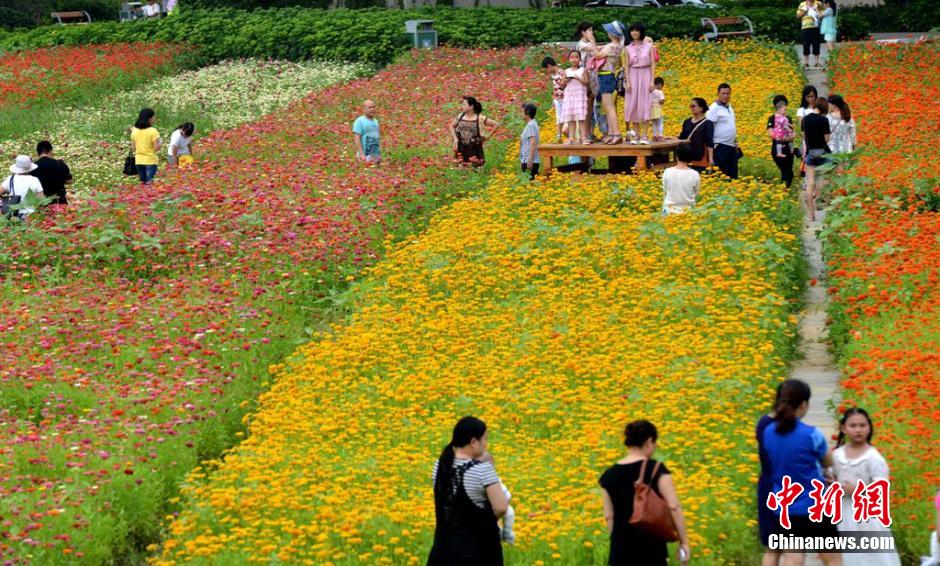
{"x": 93, "y": 140}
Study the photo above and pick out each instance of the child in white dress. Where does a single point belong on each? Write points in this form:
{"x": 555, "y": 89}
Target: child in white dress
{"x": 856, "y": 459}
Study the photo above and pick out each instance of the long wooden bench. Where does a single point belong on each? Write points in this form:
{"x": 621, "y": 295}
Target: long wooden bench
{"x": 642, "y": 152}
{"x": 79, "y": 17}
{"x": 737, "y": 21}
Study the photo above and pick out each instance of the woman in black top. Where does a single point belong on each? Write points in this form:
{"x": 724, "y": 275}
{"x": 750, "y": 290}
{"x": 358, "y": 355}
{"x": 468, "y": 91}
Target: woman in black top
{"x": 629, "y": 545}
{"x": 816, "y": 137}
{"x": 698, "y": 131}
{"x": 468, "y": 500}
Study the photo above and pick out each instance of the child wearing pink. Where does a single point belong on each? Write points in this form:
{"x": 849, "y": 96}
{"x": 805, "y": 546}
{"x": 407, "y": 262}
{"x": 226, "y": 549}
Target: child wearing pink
{"x": 575, "y": 104}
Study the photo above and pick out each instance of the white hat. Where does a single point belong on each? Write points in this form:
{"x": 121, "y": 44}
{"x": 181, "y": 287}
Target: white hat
{"x": 22, "y": 165}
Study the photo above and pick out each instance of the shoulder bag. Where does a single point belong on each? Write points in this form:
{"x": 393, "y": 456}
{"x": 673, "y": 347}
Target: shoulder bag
{"x": 9, "y": 199}
{"x": 651, "y": 513}
{"x": 130, "y": 165}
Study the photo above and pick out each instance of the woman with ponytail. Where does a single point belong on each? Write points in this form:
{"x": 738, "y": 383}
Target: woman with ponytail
{"x": 798, "y": 450}
{"x": 468, "y": 501}
{"x": 469, "y": 133}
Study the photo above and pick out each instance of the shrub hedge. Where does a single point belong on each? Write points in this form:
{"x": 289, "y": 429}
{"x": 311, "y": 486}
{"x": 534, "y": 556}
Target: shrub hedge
{"x": 376, "y": 35}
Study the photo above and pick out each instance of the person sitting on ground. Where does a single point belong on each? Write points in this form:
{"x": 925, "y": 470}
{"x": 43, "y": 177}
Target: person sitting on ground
{"x": 529, "y": 144}
{"x": 181, "y": 143}
{"x": 366, "y": 135}
{"x": 52, "y": 173}
{"x": 680, "y": 183}
{"x": 21, "y": 183}
{"x": 628, "y": 544}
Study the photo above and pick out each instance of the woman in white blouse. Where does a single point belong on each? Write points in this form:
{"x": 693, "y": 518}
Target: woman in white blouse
{"x": 841, "y": 125}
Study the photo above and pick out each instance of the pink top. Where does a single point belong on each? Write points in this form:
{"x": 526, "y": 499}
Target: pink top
{"x": 937, "y": 502}
{"x": 640, "y": 55}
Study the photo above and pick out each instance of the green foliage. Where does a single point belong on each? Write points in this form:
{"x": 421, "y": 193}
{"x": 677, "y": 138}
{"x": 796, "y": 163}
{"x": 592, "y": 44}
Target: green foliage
{"x": 377, "y": 35}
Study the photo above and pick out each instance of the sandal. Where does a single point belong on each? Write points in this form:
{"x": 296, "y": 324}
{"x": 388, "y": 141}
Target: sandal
{"x": 615, "y": 140}
{"x": 568, "y": 142}
{"x": 586, "y": 141}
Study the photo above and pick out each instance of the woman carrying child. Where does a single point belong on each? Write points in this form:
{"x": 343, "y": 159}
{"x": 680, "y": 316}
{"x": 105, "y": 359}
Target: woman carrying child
{"x": 781, "y": 132}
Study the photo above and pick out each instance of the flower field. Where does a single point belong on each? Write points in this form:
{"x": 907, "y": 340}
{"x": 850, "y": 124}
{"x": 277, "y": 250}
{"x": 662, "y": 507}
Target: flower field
{"x": 41, "y": 75}
{"x": 885, "y": 262}
{"x": 554, "y": 314}
{"x": 140, "y": 324}
{"x": 755, "y": 71}
{"x": 222, "y": 96}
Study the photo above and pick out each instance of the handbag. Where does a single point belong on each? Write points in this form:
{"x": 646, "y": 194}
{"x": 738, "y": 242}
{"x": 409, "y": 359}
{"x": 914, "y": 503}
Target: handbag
{"x": 651, "y": 513}
{"x": 619, "y": 85}
{"x": 130, "y": 165}
{"x": 10, "y": 199}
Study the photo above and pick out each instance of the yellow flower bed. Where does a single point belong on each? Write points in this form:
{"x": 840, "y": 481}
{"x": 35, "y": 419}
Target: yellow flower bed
{"x": 556, "y": 314}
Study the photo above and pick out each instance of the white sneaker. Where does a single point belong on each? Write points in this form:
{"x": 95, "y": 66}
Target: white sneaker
{"x": 644, "y": 141}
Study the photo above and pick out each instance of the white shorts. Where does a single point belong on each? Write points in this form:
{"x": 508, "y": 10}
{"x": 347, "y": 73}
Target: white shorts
{"x": 658, "y": 127}
{"x": 558, "y": 104}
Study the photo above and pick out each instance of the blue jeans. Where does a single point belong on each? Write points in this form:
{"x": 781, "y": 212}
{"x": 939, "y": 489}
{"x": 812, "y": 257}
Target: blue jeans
{"x": 146, "y": 173}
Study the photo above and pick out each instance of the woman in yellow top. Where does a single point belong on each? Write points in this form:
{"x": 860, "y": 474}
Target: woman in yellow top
{"x": 809, "y": 12}
{"x": 145, "y": 143}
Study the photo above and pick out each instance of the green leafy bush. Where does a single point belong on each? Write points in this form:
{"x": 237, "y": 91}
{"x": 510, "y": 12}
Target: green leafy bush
{"x": 377, "y": 35}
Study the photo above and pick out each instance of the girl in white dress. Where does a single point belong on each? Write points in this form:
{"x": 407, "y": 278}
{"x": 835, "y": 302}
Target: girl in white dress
{"x": 856, "y": 459}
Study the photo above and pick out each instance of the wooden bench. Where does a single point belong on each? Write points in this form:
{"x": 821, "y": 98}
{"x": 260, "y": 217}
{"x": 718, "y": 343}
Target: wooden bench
{"x": 642, "y": 152}
{"x": 81, "y": 17}
{"x": 727, "y": 21}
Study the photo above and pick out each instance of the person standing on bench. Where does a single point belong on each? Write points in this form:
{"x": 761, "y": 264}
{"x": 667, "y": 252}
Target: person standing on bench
{"x": 727, "y": 153}
{"x": 53, "y": 173}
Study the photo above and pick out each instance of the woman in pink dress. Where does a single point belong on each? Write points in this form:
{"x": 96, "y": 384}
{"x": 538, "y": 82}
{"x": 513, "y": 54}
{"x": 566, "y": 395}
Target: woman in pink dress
{"x": 639, "y": 62}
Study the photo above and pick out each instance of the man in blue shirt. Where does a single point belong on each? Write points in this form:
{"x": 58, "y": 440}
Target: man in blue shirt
{"x": 726, "y": 153}
{"x": 366, "y": 134}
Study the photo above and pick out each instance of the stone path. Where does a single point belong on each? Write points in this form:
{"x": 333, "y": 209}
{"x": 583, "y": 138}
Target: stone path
{"x": 816, "y": 365}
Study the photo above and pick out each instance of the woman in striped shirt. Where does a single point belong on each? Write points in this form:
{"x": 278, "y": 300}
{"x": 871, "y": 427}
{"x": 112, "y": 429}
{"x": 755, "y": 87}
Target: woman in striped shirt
{"x": 468, "y": 501}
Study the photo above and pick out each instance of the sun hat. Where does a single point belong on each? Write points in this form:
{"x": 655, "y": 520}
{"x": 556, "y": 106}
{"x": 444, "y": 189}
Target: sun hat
{"x": 615, "y": 28}
{"x": 22, "y": 165}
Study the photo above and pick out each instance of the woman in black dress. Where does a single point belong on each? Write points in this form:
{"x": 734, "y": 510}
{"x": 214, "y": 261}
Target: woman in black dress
{"x": 698, "y": 131}
{"x": 468, "y": 500}
{"x": 629, "y": 545}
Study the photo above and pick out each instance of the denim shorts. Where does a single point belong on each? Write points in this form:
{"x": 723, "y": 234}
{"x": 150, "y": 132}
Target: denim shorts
{"x": 146, "y": 173}
{"x": 607, "y": 82}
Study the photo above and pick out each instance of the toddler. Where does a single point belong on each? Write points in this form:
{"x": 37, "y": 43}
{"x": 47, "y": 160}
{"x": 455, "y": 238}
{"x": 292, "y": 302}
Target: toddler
{"x": 557, "y": 76}
{"x": 509, "y": 519}
{"x": 657, "y": 99}
{"x": 783, "y": 129}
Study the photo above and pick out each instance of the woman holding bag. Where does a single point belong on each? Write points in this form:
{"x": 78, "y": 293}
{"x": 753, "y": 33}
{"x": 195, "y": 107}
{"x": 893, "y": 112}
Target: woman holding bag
{"x": 630, "y": 541}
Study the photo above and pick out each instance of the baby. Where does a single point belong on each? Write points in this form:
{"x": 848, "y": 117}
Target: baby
{"x": 783, "y": 129}
{"x": 509, "y": 519}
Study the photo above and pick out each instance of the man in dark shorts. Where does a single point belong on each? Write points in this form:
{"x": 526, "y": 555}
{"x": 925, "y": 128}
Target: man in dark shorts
{"x": 53, "y": 173}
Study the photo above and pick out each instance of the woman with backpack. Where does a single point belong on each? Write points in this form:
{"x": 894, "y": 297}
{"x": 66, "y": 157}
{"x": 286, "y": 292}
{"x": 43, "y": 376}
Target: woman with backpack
{"x": 631, "y": 541}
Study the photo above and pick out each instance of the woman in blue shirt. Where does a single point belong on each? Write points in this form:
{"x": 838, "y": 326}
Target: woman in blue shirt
{"x": 798, "y": 450}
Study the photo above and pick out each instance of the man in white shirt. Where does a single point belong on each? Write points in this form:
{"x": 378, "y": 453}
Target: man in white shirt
{"x": 152, "y": 9}
{"x": 21, "y": 183}
{"x": 726, "y": 132}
